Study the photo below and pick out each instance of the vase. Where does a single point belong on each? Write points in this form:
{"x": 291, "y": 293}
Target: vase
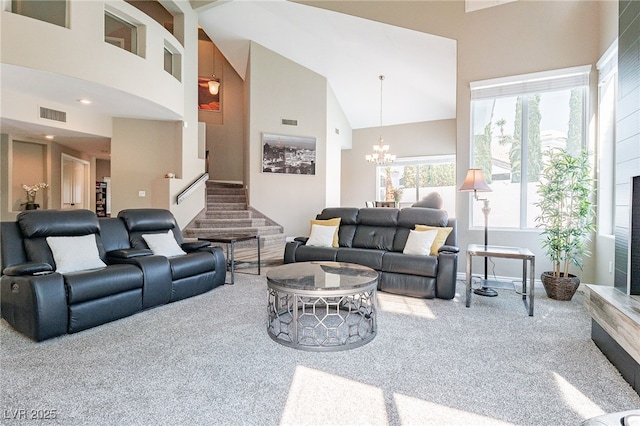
{"x": 31, "y": 206}
{"x": 560, "y": 288}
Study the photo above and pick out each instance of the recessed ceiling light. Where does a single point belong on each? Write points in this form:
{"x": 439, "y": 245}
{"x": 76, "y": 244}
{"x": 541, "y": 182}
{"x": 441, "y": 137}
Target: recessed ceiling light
{"x": 50, "y": 137}
{"x": 84, "y": 101}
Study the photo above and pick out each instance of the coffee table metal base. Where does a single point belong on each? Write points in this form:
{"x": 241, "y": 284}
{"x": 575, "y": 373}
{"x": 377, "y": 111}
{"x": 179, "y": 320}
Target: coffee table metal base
{"x": 326, "y": 323}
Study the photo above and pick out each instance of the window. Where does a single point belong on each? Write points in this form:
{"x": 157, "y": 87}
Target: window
{"x": 172, "y": 61}
{"x": 51, "y": 11}
{"x": 120, "y": 33}
{"x": 514, "y": 121}
{"x": 417, "y": 177}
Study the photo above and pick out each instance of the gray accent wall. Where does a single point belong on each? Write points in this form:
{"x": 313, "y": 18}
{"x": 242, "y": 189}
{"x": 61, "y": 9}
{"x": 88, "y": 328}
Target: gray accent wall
{"x": 627, "y": 136}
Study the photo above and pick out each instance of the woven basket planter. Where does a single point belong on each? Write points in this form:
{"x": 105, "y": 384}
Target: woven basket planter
{"x": 560, "y": 288}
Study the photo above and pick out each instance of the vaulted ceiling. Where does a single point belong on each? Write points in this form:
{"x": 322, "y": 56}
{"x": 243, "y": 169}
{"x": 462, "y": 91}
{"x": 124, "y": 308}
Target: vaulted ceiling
{"x": 351, "y": 52}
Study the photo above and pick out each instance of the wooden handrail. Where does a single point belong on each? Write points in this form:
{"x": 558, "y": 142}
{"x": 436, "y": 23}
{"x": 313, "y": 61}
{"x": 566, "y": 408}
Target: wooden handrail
{"x": 189, "y": 189}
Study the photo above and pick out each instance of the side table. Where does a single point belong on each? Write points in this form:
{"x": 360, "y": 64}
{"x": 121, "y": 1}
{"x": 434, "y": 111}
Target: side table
{"x": 523, "y": 254}
{"x": 230, "y": 241}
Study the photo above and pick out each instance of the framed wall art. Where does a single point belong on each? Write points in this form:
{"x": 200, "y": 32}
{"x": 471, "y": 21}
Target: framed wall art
{"x": 288, "y": 154}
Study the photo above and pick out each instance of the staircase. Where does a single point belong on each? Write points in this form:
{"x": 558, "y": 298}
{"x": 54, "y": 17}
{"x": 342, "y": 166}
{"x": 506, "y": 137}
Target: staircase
{"x": 227, "y": 214}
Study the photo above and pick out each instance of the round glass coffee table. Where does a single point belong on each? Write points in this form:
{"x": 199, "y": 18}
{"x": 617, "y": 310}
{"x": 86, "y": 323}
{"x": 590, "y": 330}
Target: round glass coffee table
{"x": 322, "y": 306}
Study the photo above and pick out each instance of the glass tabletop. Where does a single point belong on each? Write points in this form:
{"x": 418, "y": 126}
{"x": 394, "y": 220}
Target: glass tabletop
{"x": 504, "y": 251}
{"x": 322, "y": 276}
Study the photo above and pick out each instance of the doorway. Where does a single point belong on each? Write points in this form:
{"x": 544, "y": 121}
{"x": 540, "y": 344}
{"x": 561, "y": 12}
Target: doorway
{"x": 75, "y": 183}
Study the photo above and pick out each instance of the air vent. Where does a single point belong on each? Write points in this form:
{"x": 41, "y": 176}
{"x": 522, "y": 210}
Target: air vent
{"x": 52, "y": 114}
{"x": 289, "y": 122}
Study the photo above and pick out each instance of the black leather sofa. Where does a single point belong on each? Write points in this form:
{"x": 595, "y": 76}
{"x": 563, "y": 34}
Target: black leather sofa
{"x": 376, "y": 237}
{"x": 41, "y": 303}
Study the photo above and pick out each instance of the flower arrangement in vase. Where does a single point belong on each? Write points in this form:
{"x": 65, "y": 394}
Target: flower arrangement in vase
{"x": 32, "y": 191}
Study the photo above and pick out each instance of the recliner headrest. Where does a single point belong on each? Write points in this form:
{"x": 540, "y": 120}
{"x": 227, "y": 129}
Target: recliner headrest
{"x": 139, "y": 220}
{"x": 52, "y": 223}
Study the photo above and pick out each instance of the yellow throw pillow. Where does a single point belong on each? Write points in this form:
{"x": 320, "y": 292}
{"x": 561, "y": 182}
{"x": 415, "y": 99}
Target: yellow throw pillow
{"x": 328, "y": 222}
{"x": 443, "y": 233}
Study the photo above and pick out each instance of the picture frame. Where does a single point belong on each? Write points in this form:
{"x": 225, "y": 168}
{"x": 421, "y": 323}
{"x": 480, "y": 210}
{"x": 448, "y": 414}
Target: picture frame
{"x": 288, "y": 154}
{"x": 206, "y": 100}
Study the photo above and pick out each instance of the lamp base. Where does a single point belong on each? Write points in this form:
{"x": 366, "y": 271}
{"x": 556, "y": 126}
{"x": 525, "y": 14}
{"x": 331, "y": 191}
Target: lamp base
{"x": 485, "y": 291}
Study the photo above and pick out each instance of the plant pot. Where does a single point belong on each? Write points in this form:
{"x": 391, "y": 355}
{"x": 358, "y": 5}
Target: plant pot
{"x": 560, "y": 288}
{"x": 31, "y": 206}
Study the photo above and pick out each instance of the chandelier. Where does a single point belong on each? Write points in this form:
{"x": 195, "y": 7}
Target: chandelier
{"x": 380, "y": 151}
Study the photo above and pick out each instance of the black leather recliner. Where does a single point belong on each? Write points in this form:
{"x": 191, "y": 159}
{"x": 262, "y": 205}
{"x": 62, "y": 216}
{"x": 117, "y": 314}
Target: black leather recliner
{"x": 191, "y": 274}
{"x": 41, "y": 303}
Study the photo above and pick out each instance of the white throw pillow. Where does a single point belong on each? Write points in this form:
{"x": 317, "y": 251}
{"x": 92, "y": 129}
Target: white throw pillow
{"x": 419, "y": 242}
{"x": 73, "y": 254}
{"x": 321, "y": 236}
{"x": 163, "y": 244}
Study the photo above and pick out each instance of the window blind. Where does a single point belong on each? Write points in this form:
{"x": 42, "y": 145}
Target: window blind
{"x": 545, "y": 81}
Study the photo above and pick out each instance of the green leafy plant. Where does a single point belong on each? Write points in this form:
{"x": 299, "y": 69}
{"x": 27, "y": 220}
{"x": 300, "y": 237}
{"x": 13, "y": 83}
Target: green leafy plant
{"x": 566, "y": 210}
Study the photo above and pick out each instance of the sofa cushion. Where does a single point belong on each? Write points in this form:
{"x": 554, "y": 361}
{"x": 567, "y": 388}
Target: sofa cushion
{"x": 90, "y": 285}
{"x": 412, "y": 216}
{"x": 334, "y": 222}
{"x": 374, "y": 237}
{"x": 323, "y": 236}
{"x": 73, "y": 254}
{"x": 426, "y": 266}
{"x": 163, "y": 244}
{"x": 308, "y": 253}
{"x": 371, "y": 258}
{"x": 420, "y": 242}
{"x": 441, "y": 237}
{"x": 192, "y": 264}
{"x": 348, "y": 221}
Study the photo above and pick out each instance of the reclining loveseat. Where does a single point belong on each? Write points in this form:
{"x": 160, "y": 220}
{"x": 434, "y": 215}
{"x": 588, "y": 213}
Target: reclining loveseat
{"x": 376, "y": 237}
{"x": 66, "y": 271}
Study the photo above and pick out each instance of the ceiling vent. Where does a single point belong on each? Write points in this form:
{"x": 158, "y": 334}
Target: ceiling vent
{"x": 52, "y": 114}
{"x": 289, "y": 122}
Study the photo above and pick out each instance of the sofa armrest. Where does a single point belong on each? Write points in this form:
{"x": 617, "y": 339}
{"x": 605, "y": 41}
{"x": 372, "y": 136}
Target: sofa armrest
{"x": 219, "y": 261}
{"x": 302, "y": 240}
{"x": 127, "y": 254}
{"x": 36, "y": 306}
{"x": 192, "y": 246}
{"x": 156, "y": 272}
{"x": 446, "y": 279}
{"x": 290, "y": 250}
{"x": 28, "y": 268}
{"x": 449, "y": 249}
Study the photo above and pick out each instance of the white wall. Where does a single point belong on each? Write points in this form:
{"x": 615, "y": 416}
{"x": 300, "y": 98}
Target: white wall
{"x": 279, "y": 88}
{"x": 339, "y": 135}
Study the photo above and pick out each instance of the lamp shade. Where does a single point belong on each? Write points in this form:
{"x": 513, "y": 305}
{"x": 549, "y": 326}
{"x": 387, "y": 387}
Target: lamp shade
{"x": 474, "y": 182}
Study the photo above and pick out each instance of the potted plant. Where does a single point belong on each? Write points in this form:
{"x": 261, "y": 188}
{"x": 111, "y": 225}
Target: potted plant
{"x": 566, "y": 217}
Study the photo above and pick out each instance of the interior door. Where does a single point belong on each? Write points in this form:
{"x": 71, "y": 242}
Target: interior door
{"x": 75, "y": 183}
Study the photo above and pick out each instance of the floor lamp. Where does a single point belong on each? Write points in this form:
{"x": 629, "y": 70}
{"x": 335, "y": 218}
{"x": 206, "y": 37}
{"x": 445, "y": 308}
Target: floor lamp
{"x": 475, "y": 182}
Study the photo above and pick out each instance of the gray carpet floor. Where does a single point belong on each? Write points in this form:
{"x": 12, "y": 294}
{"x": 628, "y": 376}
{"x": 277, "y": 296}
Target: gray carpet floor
{"x": 209, "y": 361}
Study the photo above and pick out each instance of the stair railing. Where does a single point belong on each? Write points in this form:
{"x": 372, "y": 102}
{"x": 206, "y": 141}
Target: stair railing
{"x": 191, "y": 188}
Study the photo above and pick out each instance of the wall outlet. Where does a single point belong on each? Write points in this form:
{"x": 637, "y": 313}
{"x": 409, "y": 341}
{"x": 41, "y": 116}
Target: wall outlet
{"x": 142, "y": 194}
